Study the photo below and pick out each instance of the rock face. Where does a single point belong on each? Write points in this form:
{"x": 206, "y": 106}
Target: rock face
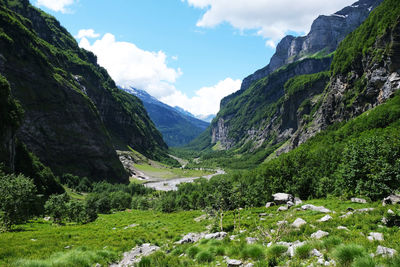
{"x": 325, "y": 35}
{"x": 75, "y": 116}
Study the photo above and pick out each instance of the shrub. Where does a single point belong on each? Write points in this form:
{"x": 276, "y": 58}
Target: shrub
{"x": 253, "y": 251}
{"x": 303, "y": 252}
{"x": 364, "y": 262}
{"x": 275, "y": 251}
{"x": 17, "y": 197}
{"x": 204, "y": 256}
{"x": 192, "y": 252}
{"x": 346, "y": 254}
{"x": 57, "y": 208}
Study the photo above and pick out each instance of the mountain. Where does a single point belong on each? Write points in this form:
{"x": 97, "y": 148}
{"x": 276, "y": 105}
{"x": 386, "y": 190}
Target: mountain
{"x": 207, "y": 118}
{"x": 274, "y": 102}
{"x": 177, "y": 126}
{"x": 75, "y": 116}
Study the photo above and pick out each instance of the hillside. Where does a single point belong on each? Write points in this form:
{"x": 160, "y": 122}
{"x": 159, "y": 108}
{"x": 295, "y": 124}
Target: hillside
{"x": 177, "y": 127}
{"x": 276, "y": 101}
{"x": 75, "y": 116}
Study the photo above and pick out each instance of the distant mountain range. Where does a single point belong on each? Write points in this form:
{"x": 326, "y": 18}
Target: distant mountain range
{"x": 177, "y": 125}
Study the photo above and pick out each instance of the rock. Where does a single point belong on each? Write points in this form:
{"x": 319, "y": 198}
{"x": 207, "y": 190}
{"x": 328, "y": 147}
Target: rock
{"x": 325, "y": 218}
{"x": 232, "y": 263}
{"x": 233, "y": 237}
{"x": 290, "y": 204}
{"x": 375, "y": 237}
{"x": 130, "y": 226}
{"x": 358, "y": 200}
{"x": 391, "y": 200}
{"x": 343, "y": 228}
{"x": 190, "y": 238}
{"x": 282, "y": 198}
{"x": 388, "y": 252}
{"x": 67, "y": 247}
{"x": 283, "y": 208}
{"x": 251, "y": 240}
{"x": 47, "y": 219}
{"x": 384, "y": 220}
{"x": 34, "y": 240}
{"x": 97, "y": 265}
{"x": 135, "y": 255}
{"x": 217, "y": 235}
{"x": 319, "y": 234}
{"x": 391, "y": 212}
{"x": 346, "y": 215}
{"x": 249, "y": 264}
{"x": 262, "y": 219}
{"x": 364, "y": 210}
{"x": 299, "y": 222}
{"x": 281, "y": 222}
{"x": 316, "y": 253}
{"x": 315, "y": 208}
{"x": 262, "y": 214}
{"x": 297, "y": 201}
{"x": 269, "y": 204}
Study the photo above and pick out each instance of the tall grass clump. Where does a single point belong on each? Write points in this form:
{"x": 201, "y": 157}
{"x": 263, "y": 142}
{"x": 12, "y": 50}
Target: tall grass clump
{"x": 364, "y": 262}
{"x": 254, "y": 252}
{"x": 204, "y": 256}
{"x": 346, "y": 254}
{"x": 303, "y": 252}
{"x": 192, "y": 252}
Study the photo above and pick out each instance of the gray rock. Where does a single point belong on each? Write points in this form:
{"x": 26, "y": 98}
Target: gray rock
{"x": 387, "y": 252}
{"x": 375, "y": 236}
{"x": 364, "y": 210}
{"x": 391, "y": 200}
{"x": 47, "y": 219}
{"x": 283, "y": 208}
{"x": 290, "y": 204}
{"x": 316, "y": 253}
{"x": 130, "y": 226}
{"x": 251, "y": 240}
{"x": 200, "y": 218}
{"x": 297, "y": 201}
{"x": 135, "y": 255}
{"x": 217, "y": 235}
{"x": 315, "y": 208}
{"x": 346, "y": 215}
{"x": 190, "y": 238}
{"x": 299, "y": 222}
{"x": 390, "y": 212}
{"x": 325, "y": 218}
{"x": 282, "y": 198}
{"x": 358, "y": 200}
{"x": 281, "y": 222}
{"x": 319, "y": 234}
{"x": 343, "y": 228}
{"x": 232, "y": 263}
{"x": 293, "y": 246}
{"x": 269, "y": 204}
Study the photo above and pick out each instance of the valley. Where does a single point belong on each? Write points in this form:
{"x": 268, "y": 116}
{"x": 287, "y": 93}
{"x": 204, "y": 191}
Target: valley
{"x": 299, "y": 167}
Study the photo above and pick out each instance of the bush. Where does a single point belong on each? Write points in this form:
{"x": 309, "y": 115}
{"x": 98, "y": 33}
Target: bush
{"x": 17, "y": 198}
{"x": 346, "y": 254}
{"x": 303, "y": 252}
{"x": 253, "y": 251}
{"x": 57, "y": 207}
{"x": 204, "y": 256}
{"x": 275, "y": 251}
{"x": 192, "y": 252}
{"x": 120, "y": 200}
{"x": 364, "y": 262}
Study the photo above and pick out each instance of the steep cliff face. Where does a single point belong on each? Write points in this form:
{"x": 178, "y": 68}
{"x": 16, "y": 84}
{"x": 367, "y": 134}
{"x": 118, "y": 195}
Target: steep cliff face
{"x": 75, "y": 116}
{"x": 325, "y": 35}
{"x": 369, "y": 77}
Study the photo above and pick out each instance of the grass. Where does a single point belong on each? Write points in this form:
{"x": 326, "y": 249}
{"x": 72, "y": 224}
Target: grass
{"x": 160, "y": 171}
{"x": 100, "y": 238}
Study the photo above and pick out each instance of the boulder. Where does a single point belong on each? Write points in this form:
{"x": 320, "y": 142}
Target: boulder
{"x": 391, "y": 200}
{"x": 269, "y": 204}
{"x": 299, "y": 222}
{"x": 297, "y": 201}
{"x": 190, "y": 238}
{"x": 232, "y": 263}
{"x": 282, "y": 198}
{"x": 293, "y": 246}
{"x": 315, "y": 208}
{"x": 283, "y": 208}
{"x": 135, "y": 255}
{"x": 375, "y": 237}
{"x": 343, "y": 228}
{"x": 358, "y": 200}
{"x": 387, "y": 252}
{"x": 319, "y": 234}
{"x": 325, "y": 218}
{"x": 217, "y": 235}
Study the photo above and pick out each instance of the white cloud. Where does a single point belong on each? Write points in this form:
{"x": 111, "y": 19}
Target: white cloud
{"x": 89, "y": 33}
{"x": 271, "y": 19}
{"x": 130, "y": 66}
{"x": 206, "y": 100}
{"x": 56, "y": 5}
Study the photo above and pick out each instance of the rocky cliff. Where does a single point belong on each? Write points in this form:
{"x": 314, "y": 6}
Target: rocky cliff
{"x": 277, "y": 100}
{"x": 75, "y": 116}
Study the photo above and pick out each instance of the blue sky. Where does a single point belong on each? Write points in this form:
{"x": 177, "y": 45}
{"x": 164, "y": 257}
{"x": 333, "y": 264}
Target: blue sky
{"x": 189, "y": 53}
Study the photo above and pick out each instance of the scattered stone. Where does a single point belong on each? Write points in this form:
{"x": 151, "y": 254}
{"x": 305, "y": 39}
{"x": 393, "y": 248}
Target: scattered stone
{"x": 375, "y": 237}
{"x": 384, "y": 220}
{"x": 262, "y": 219}
{"x": 358, "y": 200}
{"x": 282, "y": 198}
{"x": 34, "y": 240}
{"x": 233, "y": 237}
{"x": 217, "y": 235}
{"x": 269, "y": 244}
{"x": 297, "y": 201}
{"x": 135, "y": 255}
{"x": 251, "y": 240}
{"x": 262, "y": 214}
{"x": 67, "y": 247}
{"x": 385, "y": 251}
{"x": 97, "y": 265}
{"x": 269, "y": 204}
{"x": 283, "y": 208}
{"x": 346, "y": 215}
{"x": 315, "y": 208}
{"x": 390, "y": 212}
{"x": 281, "y": 222}
{"x": 200, "y": 218}
{"x": 47, "y": 219}
{"x": 319, "y": 234}
{"x": 190, "y": 238}
{"x": 232, "y": 263}
{"x": 364, "y": 210}
{"x": 290, "y": 204}
{"x": 316, "y": 253}
{"x": 293, "y": 246}
{"x": 343, "y": 228}
{"x": 299, "y": 222}
{"x": 325, "y": 218}
{"x": 114, "y": 228}
{"x": 242, "y": 231}
{"x": 273, "y": 231}
{"x": 391, "y": 200}
{"x": 249, "y": 264}
{"x": 130, "y": 226}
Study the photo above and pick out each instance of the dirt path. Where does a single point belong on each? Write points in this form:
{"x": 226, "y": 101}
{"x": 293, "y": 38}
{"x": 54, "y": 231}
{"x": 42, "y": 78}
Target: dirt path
{"x": 171, "y": 184}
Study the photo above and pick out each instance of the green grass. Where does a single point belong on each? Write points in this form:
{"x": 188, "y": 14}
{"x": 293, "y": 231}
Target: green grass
{"x": 161, "y": 171}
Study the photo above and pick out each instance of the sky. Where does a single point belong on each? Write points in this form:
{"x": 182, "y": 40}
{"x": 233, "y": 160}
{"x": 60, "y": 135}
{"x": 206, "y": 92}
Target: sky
{"x": 186, "y": 53}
